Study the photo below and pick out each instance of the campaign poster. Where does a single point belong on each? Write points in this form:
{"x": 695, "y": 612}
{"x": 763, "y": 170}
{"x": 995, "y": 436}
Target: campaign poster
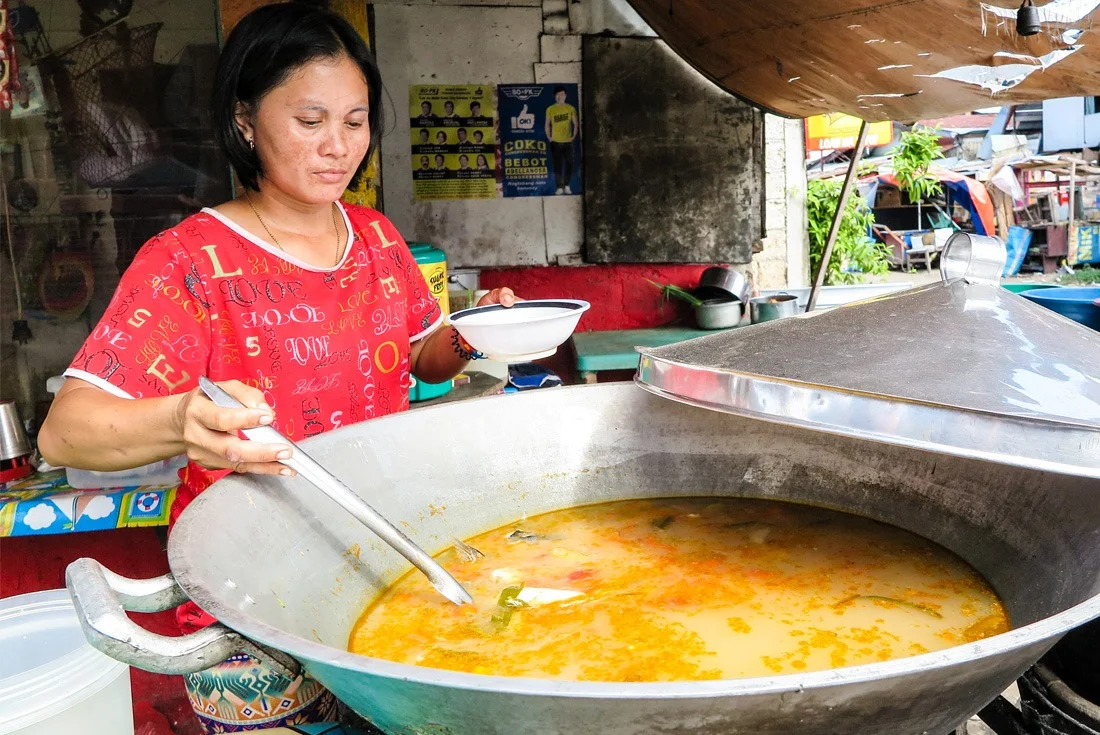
{"x": 540, "y": 139}
{"x": 454, "y": 141}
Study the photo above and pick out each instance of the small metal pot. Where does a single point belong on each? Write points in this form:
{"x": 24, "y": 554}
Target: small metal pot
{"x": 768, "y": 308}
{"x": 719, "y": 313}
{"x": 718, "y": 282}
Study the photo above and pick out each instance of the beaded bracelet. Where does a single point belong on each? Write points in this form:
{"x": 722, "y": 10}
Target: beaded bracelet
{"x": 463, "y": 348}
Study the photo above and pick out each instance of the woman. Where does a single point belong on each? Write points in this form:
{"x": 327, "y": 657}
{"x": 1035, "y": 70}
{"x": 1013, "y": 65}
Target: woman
{"x": 482, "y": 162}
{"x": 311, "y": 312}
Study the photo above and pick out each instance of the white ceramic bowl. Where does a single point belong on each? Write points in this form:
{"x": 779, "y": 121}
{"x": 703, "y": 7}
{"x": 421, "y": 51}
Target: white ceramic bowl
{"x": 527, "y": 331}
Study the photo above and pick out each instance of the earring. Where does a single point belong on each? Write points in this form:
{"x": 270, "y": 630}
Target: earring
{"x": 252, "y": 143}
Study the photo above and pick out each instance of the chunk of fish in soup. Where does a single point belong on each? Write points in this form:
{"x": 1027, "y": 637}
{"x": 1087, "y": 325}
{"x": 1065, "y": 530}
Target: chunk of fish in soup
{"x": 672, "y": 590}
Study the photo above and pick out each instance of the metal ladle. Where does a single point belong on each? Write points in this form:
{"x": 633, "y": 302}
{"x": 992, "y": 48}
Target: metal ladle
{"x": 331, "y": 486}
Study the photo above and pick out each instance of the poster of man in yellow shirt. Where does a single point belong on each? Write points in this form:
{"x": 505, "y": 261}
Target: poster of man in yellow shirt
{"x": 540, "y": 129}
{"x": 562, "y": 128}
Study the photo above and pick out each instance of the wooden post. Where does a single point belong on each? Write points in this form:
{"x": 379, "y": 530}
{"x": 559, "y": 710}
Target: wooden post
{"x": 838, "y": 217}
{"x": 999, "y": 209}
{"x": 1071, "y": 241}
{"x": 1072, "y": 191}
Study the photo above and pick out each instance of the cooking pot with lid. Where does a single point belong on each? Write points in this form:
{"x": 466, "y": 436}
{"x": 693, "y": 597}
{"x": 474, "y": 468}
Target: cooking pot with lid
{"x": 286, "y": 571}
{"x": 999, "y": 463}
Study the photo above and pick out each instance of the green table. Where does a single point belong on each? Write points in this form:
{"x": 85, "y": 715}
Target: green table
{"x": 614, "y": 350}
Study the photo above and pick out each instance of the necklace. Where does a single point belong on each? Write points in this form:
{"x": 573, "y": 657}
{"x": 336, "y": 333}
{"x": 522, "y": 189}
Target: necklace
{"x": 275, "y": 240}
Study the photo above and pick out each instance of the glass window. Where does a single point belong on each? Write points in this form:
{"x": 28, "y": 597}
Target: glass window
{"x": 108, "y": 141}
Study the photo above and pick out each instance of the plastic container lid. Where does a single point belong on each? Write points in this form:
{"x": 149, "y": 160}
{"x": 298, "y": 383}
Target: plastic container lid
{"x": 426, "y": 253}
{"x": 47, "y": 665}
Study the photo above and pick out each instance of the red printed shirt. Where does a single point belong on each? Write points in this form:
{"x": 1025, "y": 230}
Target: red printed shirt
{"x": 328, "y": 347}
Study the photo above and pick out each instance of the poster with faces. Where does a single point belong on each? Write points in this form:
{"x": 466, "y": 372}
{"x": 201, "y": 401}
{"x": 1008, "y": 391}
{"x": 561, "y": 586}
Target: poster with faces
{"x": 454, "y": 141}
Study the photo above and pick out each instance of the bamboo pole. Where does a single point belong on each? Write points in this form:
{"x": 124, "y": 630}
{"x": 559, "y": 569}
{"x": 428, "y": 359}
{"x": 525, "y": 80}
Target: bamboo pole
{"x": 838, "y": 216}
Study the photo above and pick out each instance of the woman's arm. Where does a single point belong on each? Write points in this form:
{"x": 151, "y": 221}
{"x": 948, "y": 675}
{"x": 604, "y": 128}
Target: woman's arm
{"x": 435, "y": 359}
{"x": 88, "y": 428}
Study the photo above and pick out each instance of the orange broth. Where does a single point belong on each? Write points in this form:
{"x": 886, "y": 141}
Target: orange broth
{"x": 684, "y": 589}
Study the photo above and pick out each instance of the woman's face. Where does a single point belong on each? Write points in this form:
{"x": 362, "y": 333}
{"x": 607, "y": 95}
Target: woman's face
{"x": 311, "y": 131}
{"x": 441, "y": 137}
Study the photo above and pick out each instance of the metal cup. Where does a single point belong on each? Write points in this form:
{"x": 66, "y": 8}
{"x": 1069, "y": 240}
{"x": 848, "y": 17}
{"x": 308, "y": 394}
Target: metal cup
{"x": 13, "y": 437}
{"x": 976, "y": 258}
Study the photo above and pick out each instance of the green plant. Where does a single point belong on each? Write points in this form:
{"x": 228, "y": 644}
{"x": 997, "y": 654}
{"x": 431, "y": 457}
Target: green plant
{"x": 914, "y": 156}
{"x": 669, "y": 292}
{"x": 854, "y": 250}
{"x": 1087, "y": 276}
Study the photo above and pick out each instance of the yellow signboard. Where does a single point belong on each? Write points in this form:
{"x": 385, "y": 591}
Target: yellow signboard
{"x": 837, "y": 131}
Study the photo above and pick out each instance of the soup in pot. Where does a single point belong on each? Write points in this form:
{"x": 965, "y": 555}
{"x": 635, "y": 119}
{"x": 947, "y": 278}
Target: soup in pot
{"x": 683, "y": 589}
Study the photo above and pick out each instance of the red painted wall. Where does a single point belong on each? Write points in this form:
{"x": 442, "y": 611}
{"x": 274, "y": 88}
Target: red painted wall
{"x": 620, "y": 295}
{"x": 621, "y": 298}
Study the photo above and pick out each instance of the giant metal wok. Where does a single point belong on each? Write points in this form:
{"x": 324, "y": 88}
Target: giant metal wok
{"x": 958, "y": 411}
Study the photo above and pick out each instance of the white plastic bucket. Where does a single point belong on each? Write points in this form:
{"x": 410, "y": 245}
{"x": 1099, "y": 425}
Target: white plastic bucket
{"x": 51, "y": 681}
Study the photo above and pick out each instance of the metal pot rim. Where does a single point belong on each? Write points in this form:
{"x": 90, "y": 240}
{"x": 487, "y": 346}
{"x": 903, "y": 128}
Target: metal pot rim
{"x": 780, "y": 298}
{"x": 310, "y": 650}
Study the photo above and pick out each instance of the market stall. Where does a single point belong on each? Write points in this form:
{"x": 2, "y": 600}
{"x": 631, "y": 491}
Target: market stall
{"x": 1056, "y": 208}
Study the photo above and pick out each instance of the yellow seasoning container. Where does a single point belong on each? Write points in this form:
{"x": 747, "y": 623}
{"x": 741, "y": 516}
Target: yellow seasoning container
{"x": 433, "y": 264}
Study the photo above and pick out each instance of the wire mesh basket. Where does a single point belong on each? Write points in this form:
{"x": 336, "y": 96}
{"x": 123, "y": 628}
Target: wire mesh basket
{"x": 109, "y": 139}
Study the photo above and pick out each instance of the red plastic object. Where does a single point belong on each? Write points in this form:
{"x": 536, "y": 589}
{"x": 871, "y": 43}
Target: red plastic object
{"x": 16, "y": 468}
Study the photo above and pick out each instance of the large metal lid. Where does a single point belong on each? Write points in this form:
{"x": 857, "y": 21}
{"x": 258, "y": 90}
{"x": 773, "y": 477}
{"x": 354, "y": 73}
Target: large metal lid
{"x": 962, "y": 368}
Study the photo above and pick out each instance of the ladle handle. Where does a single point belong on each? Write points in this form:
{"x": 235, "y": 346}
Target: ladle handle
{"x": 332, "y": 486}
{"x": 102, "y": 598}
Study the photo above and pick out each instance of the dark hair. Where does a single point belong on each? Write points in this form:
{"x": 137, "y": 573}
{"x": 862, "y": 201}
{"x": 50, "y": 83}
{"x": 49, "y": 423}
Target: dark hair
{"x": 474, "y": 104}
{"x": 559, "y": 89}
{"x": 448, "y": 102}
{"x": 461, "y": 130}
{"x": 262, "y": 51}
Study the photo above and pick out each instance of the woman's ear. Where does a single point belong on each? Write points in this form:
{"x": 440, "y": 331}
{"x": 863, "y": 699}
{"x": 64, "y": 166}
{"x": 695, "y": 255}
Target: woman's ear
{"x": 243, "y": 118}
